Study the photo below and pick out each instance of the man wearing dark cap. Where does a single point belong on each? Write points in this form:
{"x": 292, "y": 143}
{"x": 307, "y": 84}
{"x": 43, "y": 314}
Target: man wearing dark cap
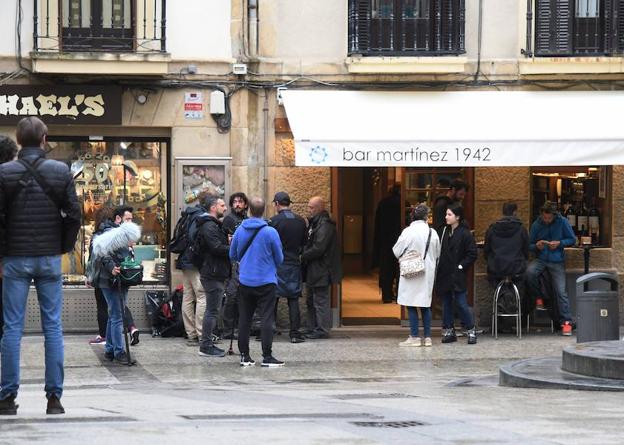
{"x": 292, "y": 230}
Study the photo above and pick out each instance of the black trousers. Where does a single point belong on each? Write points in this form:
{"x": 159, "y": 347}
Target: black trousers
{"x": 230, "y": 308}
{"x": 294, "y": 314}
{"x": 102, "y": 313}
{"x": 250, "y": 298}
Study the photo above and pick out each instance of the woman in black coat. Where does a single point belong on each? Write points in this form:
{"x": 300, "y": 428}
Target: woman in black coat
{"x": 458, "y": 253}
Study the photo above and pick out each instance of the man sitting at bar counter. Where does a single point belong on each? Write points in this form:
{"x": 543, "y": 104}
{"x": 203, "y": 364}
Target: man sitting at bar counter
{"x": 550, "y": 234}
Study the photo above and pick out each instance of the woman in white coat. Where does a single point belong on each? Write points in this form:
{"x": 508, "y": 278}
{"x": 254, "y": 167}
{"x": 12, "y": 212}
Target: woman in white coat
{"x": 415, "y": 292}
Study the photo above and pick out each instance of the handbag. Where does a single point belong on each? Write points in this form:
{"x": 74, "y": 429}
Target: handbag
{"x": 130, "y": 272}
{"x": 412, "y": 263}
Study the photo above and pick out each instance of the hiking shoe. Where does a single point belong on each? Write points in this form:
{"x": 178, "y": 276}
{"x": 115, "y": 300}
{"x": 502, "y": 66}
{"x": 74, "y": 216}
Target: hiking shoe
{"x": 472, "y": 337}
{"x": 246, "y": 360}
{"x": 566, "y": 329}
{"x": 539, "y": 304}
{"x": 122, "y": 359}
{"x": 317, "y": 335}
{"x": 8, "y": 407}
{"x": 98, "y": 340}
{"x": 109, "y": 356}
{"x": 428, "y": 343}
{"x": 211, "y": 351}
{"x": 272, "y": 362}
{"x": 134, "y": 337}
{"x": 192, "y": 341}
{"x": 412, "y": 341}
{"x": 54, "y": 406}
{"x": 448, "y": 336}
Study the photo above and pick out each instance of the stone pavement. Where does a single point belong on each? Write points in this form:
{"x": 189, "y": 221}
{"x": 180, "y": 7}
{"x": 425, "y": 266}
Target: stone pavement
{"x": 357, "y": 388}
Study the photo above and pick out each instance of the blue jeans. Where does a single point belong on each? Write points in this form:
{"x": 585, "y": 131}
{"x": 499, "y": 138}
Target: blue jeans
{"x": 19, "y": 272}
{"x": 114, "y": 326}
{"x": 413, "y": 319}
{"x": 448, "y": 318}
{"x": 557, "y": 273}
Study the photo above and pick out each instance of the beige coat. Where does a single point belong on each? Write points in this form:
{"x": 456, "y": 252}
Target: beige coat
{"x": 417, "y": 291}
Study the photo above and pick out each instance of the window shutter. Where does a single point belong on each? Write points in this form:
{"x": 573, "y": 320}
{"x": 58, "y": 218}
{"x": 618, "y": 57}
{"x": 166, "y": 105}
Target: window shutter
{"x": 614, "y": 26}
{"x": 449, "y": 26}
{"x": 359, "y": 26}
{"x": 553, "y": 27}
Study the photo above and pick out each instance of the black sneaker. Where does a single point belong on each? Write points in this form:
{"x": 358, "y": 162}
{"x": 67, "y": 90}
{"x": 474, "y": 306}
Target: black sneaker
{"x": 297, "y": 339}
{"x": 134, "y": 337}
{"x": 8, "y": 407}
{"x": 317, "y": 335}
{"x": 271, "y": 362}
{"x": 109, "y": 356}
{"x": 211, "y": 351}
{"x": 122, "y": 358}
{"x": 54, "y": 406}
{"x": 246, "y": 360}
{"x": 448, "y": 336}
{"x": 472, "y": 337}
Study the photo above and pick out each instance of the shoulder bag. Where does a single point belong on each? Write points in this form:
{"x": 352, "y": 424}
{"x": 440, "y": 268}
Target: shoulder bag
{"x": 412, "y": 263}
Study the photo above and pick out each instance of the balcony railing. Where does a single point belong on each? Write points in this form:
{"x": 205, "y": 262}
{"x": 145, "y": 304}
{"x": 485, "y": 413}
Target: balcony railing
{"x": 100, "y": 26}
{"x": 575, "y": 28}
{"x": 406, "y": 27}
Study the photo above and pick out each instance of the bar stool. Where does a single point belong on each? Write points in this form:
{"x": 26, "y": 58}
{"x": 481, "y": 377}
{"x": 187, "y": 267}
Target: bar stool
{"x": 507, "y": 281}
{"x": 552, "y": 325}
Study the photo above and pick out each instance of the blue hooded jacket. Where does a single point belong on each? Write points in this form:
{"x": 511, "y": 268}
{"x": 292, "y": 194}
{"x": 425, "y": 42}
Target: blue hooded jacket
{"x": 558, "y": 230}
{"x": 259, "y": 265}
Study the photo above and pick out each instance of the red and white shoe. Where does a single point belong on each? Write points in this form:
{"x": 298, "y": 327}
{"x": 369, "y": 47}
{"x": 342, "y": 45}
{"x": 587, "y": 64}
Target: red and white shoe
{"x": 566, "y": 329}
{"x": 539, "y": 304}
{"x": 98, "y": 340}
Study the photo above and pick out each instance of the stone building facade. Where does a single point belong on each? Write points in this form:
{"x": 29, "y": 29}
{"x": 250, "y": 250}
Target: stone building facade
{"x": 299, "y": 44}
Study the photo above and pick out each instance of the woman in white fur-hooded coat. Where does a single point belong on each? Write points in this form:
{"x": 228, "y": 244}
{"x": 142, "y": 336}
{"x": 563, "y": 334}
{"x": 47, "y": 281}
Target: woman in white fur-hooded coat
{"x": 415, "y": 292}
{"x": 109, "y": 250}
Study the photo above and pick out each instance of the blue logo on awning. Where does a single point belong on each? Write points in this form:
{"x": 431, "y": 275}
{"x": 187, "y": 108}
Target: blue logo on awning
{"x": 318, "y": 154}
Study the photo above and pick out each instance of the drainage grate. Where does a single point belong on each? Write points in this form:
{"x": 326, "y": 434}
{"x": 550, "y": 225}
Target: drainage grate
{"x": 397, "y": 424}
{"x": 373, "y": 396}
{"x": 262, "y": 417}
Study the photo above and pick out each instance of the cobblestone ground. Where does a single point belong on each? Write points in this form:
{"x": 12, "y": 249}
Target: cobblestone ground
{"x": 357, "y": 388}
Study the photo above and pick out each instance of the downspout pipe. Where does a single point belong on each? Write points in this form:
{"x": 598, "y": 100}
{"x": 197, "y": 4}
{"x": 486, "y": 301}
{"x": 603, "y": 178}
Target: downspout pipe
{"x": 253, "y": 28}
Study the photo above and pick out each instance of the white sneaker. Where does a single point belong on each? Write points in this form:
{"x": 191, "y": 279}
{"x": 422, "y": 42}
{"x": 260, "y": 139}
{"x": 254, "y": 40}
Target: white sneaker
{"x": 412, "y": 341}
{"x": 428, "y": 343}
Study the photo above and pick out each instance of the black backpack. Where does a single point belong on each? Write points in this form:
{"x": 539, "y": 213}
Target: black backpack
{"x": 195, "y": 253}
{"x": 180, "y": 240}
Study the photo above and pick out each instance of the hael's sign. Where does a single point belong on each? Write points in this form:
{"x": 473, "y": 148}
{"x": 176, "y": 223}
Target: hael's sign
{"x": 61, "y": 104}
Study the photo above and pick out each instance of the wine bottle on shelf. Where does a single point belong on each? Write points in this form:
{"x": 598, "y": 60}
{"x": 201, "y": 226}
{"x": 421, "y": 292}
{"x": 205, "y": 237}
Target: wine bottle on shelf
{"x": 594, "y": 223}
{"x": 571, "y": 215}
{"x": 582, "y": 221}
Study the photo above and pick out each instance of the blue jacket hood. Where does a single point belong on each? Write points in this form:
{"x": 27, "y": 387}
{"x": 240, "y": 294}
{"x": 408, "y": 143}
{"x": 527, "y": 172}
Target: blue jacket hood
{"x": 253, "y": 223}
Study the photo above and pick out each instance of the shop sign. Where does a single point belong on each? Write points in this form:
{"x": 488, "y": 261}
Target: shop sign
{"x": 61, "y": 104}
{"x": 193, "y": 105}
{"x": 457, "y": 154}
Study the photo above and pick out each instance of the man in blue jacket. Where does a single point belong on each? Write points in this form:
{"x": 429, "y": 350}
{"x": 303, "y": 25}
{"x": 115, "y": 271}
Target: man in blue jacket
{"x": 550, "y": 234}
{"x": 257, "y": 248}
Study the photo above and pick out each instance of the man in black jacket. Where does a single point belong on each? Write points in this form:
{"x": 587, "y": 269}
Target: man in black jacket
{"x": 387, "y": 232}
{"x": 8, "y": 151}
{"x": 321, "y": 258}
{"x": 506, "y": 246}
{"x": 33, "y": 236}
{"x": 292, "y": 230}
{"x": 238, "y": 213}
{"x": 214, "y": 270}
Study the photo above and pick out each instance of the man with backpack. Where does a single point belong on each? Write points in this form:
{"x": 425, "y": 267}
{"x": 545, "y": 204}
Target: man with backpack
{"x": 215, "y": 269}
{"x": 258, "y": 249}
{"x": 33, "y": 236}
{"x": 194, "y": 296}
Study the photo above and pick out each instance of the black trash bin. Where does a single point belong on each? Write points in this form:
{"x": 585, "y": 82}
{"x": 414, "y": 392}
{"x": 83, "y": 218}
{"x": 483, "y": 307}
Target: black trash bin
{"x": 597, "y": 307}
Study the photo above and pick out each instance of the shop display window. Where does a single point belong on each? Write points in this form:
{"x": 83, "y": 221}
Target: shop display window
{"x": 582, "y": 195}
{"x": 425, "y": 185}
{"x": 109, "y": 173}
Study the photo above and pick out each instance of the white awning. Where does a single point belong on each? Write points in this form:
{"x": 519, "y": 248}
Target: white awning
{"x": 448, "y": 129}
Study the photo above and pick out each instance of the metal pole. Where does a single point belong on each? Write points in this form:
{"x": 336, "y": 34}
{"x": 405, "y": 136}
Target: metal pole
{"x": 163, "y": 26}
{"x": 529, "y": 32}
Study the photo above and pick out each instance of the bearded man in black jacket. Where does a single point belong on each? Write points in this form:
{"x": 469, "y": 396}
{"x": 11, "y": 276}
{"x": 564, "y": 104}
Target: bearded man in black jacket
{"x": 39, "y": 221}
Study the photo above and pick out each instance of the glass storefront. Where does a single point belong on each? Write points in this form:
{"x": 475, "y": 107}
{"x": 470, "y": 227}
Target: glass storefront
{"x": 111, "y": 172}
